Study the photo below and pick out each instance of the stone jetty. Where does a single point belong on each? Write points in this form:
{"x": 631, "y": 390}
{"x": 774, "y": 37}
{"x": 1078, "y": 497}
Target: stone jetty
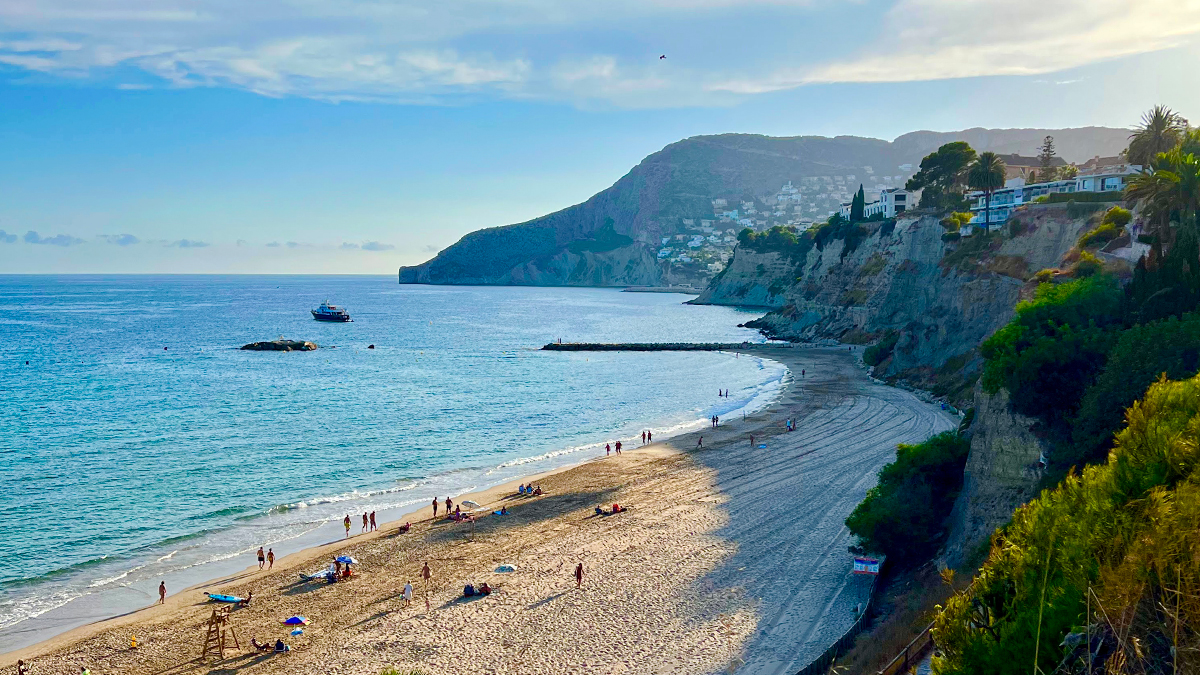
{"x": 659, "y": 346}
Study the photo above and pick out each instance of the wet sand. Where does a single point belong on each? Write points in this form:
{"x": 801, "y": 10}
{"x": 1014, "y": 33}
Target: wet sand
{"x": 731, "y": 557}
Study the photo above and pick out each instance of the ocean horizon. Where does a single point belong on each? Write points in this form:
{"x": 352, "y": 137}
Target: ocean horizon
{"x": 144, "y": 445}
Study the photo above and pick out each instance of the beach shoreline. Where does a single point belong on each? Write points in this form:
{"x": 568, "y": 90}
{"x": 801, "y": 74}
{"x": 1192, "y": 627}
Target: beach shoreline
{"x": 696, "y": 513}
{"x": 326, "y": 536}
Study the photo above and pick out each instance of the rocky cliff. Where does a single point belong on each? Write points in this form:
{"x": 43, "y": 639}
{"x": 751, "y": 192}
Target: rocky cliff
{"x": 677, "y": 184}
{"x": 1004, "y": 470}
{"x": 935, "y": 300}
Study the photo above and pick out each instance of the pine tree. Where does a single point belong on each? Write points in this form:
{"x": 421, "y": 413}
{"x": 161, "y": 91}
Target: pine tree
{"x": 1046, "y": 169}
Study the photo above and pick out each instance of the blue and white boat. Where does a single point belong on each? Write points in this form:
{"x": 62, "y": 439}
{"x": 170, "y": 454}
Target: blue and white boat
{"x": 328, "y": 312}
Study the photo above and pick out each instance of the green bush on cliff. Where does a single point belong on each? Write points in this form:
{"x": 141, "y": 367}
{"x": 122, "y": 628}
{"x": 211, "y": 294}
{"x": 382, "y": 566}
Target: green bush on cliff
{"x": 1054, "y": 347}
{"x": 904, "y": 516}
{"x": 1142, "y": 355}
{"x": 603, "y": 240}
{"x": 1128, "y": 530}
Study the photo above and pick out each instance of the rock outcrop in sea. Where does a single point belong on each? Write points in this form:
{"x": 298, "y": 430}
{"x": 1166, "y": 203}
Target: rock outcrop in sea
{"x": 281, "y": 345}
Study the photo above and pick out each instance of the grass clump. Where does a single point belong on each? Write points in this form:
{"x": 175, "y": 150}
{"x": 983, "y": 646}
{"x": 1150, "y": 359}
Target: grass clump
{"x": 880, "y": 351}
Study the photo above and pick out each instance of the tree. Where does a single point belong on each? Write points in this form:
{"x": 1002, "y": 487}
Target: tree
{"x": 986, "y": 174}
{"x": 858, "y": 205}
{"x": 1168, "y": 190}
{"x": 942, "y": 175}
{"x": 1161, "y": 129}
{"x": 1046, "y": 170}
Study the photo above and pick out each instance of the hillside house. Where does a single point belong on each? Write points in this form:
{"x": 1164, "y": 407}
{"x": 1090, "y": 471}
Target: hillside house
{"x": 1017, "y": 166}
{"x": 1016, "y": 192}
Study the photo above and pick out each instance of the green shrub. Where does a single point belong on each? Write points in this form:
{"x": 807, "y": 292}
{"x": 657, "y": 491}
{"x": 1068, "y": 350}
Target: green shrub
{"x": 1044, "y": 276}
{"x": 874, "y": 265}
{"x": 1082, "y": 207}
{"x": 1099, "y": 236}
{"x": 951, "y": 236}
{"x": 904, "y": 516}
{"x": 1141, "y": 355}
{"x": 1118, "y": 216}
{"x": 1054, "y": 347}
{"x": 1087, "y": 265}
{"x": 1081, "y": 197}
{"x": 878, "y": 352}
{"x": 1127, "y": 532}
{"x": 955, "y": 221}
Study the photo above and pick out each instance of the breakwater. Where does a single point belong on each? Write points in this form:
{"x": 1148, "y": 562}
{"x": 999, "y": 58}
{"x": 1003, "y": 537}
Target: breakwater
{"x": 659, "y": 346}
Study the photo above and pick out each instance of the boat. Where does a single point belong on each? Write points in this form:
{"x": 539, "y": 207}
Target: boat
{"x": 328, "y": 312}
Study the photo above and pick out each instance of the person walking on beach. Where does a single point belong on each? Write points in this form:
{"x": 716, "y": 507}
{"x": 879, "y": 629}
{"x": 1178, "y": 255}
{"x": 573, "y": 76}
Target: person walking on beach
{"x": 643, "y": 438}
{"x": 407, "y": 593}
{"x": 270, "y": 558}
{"x": 364, "y": 529}
{"x": 618, "y": 447}
{"x": 700, "y": 442}
{"x": 373, "y": 526}
{"x": 162, "y": 592}
{"x": 346, "y": 522}
{"x": 426, "y": 574}
{"x": 752, "y": 440}
{"x": 607, "y": 449}
{"x": 579, "y": 575}
{"x": 449, "y": 505}
{"x": 649, "y": 436}
{"x": 22, "y": 667}
{"x": 261, "y": 558}
{"x": 435, "y": 503}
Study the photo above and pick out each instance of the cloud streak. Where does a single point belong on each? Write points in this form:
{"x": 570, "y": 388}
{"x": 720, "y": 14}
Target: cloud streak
{"x": 119, "y": 239}
{"x": 188, "y": 243}
{"x": 32, "y": 237}
{"x": 565, "y": 50}
{"x": 7, "y": 238}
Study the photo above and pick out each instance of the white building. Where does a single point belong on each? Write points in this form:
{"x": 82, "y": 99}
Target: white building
{"x": 891, "y": 202}
{"x": 1016, "y": 193}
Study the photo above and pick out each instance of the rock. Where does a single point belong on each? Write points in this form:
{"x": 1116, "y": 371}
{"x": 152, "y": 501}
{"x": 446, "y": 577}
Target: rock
{"x": 281, "y": 346}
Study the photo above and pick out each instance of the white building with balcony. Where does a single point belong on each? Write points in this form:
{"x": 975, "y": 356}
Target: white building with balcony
{"x": 891, "y": 202}
{"x": 1016, "y": 193}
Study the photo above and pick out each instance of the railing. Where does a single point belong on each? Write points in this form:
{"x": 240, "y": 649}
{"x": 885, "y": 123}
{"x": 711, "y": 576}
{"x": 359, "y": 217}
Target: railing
{"x": 912, "y": 654}
{"x": 822, "y": 662}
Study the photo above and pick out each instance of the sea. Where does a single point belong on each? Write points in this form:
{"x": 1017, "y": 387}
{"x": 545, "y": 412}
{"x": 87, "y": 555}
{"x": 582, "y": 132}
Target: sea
{"x": 139, "y": 444}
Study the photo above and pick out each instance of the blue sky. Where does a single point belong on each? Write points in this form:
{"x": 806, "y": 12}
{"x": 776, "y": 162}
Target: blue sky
{"x": 313, "y": 136}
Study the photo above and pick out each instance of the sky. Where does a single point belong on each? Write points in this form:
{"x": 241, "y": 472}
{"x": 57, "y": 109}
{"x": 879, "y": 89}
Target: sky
{"x": 356, "y": 136}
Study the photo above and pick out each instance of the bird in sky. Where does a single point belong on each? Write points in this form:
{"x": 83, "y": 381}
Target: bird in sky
{"x": 662, "y": 57}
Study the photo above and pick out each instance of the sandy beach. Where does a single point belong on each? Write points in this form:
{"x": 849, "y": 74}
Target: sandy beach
{"x": 731, "y": 558}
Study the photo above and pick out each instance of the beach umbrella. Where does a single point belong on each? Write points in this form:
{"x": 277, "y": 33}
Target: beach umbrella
{"x": 346, "y": 560}
{"x": 506, "y": 568}
{"x": 470, "y": 504}
{"x": 296, "y": 621}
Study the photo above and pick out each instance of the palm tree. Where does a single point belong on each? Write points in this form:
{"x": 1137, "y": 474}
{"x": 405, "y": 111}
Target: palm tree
{"x": 1161, "y": 129}
{"x": 1169, "y": 186}
{"x": 986, "y": 174}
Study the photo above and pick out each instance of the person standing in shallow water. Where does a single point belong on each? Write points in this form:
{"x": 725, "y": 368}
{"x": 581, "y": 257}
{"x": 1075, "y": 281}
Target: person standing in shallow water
{"x": 373, "y": 526}
{"x": 364, "y": 529}
{"x": 649, "y": 436}
{"x": 643, "y": 438}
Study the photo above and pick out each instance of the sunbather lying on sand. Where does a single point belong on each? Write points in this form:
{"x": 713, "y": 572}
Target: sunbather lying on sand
{"x": 258, "y": 646}
{"x": 405, "y": 527}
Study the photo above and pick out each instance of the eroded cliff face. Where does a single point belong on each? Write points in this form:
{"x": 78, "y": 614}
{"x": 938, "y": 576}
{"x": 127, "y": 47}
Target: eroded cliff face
{"x": 1004, "y": 469}
{"x": 939, "y": 299}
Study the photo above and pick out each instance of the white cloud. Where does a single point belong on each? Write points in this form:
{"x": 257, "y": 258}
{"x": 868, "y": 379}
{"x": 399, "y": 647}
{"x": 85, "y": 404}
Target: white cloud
{"x": 944, "y": 39}
{"x": 188, "y": 243}
{"x": 376, "y": 246}
{"x": 119, "y": 239}
{"x": 575, "y": 50}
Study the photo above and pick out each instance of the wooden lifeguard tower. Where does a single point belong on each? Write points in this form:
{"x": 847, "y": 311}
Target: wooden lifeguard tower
{"x": 218, "y": 630}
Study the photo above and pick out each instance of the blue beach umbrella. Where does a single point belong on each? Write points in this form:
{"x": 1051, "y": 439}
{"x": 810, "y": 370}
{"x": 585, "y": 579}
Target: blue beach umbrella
{"x": 346, "y": 560}
{"x": 296, "y": 621}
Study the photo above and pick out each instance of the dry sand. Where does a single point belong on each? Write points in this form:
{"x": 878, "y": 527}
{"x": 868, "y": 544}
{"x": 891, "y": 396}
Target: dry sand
{"x": 731, "y": 558}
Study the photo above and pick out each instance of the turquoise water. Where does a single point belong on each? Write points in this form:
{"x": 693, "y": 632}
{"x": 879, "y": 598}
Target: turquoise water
{"x": 124, "y": 462}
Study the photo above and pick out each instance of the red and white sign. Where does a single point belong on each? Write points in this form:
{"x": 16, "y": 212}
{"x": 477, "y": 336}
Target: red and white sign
{"x": 866, "y": 566}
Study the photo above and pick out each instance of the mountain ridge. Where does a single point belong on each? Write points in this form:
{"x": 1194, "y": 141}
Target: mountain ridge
{"x": 677, "y": 184}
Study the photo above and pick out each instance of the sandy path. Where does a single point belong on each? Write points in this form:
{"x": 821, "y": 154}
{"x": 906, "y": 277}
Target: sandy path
{"x": 731, "y": 557}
